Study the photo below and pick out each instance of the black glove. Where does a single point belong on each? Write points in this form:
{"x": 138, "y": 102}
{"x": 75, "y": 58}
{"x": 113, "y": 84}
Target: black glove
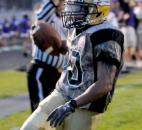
{"x": 58, "y": 115}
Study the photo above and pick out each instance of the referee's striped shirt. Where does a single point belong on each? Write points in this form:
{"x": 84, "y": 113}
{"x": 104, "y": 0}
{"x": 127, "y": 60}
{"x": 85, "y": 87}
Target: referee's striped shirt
{"x": 47, "y": 13}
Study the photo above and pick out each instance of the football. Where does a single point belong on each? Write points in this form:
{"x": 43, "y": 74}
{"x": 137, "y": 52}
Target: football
{"x": 46, "y": 38}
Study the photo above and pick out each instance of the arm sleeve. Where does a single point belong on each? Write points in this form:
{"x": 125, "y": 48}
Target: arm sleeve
{"x": 46, "y": 11}
{"x": 109, "y": 52}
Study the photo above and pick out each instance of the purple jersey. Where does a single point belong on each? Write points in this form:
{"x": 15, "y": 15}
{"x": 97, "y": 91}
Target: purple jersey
{"x": 6, "y": 27}
{"x": 24, "y": 25}
{"x": 14, "y": 25}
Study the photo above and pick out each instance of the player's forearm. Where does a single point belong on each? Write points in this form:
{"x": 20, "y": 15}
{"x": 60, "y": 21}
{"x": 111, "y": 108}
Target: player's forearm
{"x": 93, "y": 93}
{"x": 106, "y": 76}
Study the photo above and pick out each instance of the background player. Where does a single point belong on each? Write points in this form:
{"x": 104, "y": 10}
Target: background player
{"x": 24, "y": 28}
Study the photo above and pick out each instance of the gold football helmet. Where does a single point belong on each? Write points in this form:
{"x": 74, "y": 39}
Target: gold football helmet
{"x": 78, "y": 13}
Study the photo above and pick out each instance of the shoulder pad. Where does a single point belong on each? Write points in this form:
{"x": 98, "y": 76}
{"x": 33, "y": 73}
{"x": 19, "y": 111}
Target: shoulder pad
{"x": 105, "y": 35}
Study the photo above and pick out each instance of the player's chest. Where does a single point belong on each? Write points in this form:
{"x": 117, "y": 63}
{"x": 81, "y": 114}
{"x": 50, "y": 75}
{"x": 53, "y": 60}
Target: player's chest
{"x": 80, "y": 50}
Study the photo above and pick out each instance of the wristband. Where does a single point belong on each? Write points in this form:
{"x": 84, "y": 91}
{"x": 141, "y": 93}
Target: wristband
{"x": 73, "y": 103}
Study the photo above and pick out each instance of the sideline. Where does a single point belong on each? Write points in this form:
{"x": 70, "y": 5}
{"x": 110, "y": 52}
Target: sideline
{"x": 14, "y": 105}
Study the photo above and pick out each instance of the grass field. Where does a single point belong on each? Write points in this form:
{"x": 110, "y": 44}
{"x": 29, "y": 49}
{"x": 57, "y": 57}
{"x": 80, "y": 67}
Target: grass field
{"x": 124, "y": 113}
{"x": 12, "y": 83}
{"x": 14, "y": 121}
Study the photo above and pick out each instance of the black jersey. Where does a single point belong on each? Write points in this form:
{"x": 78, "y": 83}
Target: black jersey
{"x": 85, "y": 50}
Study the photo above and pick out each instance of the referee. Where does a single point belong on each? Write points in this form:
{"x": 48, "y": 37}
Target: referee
{"x": 43, "y": 72}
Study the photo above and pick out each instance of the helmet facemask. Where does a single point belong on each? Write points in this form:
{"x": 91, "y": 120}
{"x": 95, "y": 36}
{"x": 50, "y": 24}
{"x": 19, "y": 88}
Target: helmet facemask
{"x": 78, "y": 14}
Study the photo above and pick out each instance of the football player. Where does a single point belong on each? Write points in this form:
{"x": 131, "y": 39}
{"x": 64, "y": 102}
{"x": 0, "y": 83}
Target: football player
{"x": 87, "y": 83}
{"x": 43, "y": 70}
{"x": 24, "y": 28}
{"x": 5, "y": 32}
{"x": 14, "y": 33}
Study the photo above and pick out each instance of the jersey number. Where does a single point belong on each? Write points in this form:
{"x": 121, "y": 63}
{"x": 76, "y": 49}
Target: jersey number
{"x": 75, "y": 75}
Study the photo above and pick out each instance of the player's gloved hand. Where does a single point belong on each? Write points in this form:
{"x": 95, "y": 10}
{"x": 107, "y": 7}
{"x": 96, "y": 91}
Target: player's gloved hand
{"x": 58, "y": 115}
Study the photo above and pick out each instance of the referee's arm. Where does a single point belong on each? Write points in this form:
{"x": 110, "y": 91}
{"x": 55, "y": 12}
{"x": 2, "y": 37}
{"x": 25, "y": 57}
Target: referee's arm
{"x": 46, "y": 12}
